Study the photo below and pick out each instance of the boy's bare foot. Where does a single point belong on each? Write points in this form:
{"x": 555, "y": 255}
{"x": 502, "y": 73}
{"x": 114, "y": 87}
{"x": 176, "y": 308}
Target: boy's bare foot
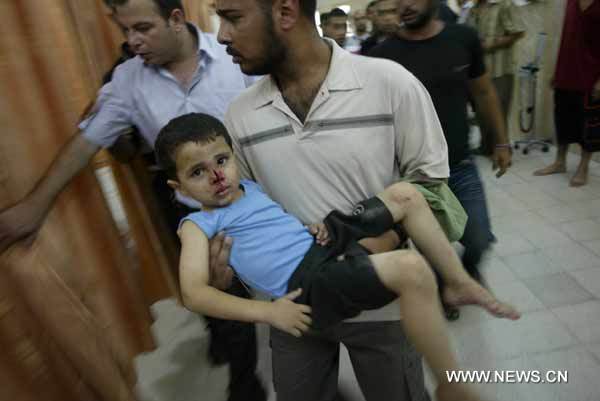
{"x": 579, "y": 179}
{"x": 470, "y": 292}
{"x": 554, "y": 168}
{"x": 456, "y": 392}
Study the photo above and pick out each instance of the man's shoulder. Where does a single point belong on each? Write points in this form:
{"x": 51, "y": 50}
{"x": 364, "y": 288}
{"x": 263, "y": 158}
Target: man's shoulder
{"x": 385, "y": 48}
{"x": 128, "y": 69}
{"x": 461, "y": 32}
{"x": 380, "y": 71}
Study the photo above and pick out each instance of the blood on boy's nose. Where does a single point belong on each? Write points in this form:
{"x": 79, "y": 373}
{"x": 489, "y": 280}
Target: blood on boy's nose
{"x": 218, "y": 176}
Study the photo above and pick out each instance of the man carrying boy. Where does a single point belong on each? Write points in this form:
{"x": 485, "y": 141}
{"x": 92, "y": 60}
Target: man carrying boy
{"x": 275, "y": 254}
{"x": 326, "y": 130}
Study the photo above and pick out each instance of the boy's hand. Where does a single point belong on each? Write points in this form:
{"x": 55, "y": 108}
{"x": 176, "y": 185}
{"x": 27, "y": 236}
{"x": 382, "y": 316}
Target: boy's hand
{"x": 320, "y": 232}
{"x": 286, "y": 315}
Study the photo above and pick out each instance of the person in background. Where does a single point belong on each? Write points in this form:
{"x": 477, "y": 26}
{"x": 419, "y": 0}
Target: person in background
{"x": 448, "y": 60}
{"x": 386, "y": 24}
{"x": 371, "y": 13}
{"x": 335, "y": 26}
{"x": 499, "y": 29}
{"x": 360, "y": 24}
{"x": 465, "y": 10}
{"x": 446, "y": 14}
{"x": 576, "y": 81}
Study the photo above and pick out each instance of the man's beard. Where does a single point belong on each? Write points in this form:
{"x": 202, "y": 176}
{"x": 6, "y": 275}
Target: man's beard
{"x": 275, "y": 52}
{"x": 424, "y": 18}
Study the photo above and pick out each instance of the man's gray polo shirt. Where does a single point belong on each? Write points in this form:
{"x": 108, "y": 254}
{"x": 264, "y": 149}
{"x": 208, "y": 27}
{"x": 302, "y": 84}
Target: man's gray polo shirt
{"x": 371, "y": 123}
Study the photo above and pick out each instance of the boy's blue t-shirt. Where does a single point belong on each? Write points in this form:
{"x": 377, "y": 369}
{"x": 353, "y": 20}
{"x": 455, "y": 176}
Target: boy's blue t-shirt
{"x": 268, "y": 243}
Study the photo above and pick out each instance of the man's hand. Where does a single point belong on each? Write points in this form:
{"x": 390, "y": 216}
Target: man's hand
{"x": 288, "y": 316}
{"x": 19, "y": 223}
{"x": 320, "y": 232}
{"x": 221, "y": 273}
{"x": 596, "y": 91}
{"x": 502, "y": 160}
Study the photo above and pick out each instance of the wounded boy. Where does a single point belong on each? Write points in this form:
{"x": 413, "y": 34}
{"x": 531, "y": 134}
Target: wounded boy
{"x": 316, "y": 286}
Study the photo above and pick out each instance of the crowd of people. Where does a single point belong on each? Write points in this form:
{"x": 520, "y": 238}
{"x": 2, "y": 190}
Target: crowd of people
{"x": 297, "y": 167}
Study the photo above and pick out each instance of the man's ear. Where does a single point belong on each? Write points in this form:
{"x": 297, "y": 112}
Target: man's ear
{"x": 286, "y": 13}
{"x": 177, "y": 19}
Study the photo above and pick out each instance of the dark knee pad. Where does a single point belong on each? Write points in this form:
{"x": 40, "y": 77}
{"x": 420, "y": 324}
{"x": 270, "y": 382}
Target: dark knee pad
{"x": 370, "y": 218}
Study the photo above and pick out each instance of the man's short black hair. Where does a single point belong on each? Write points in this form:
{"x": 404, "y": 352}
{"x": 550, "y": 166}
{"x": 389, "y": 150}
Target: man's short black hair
{"x": 337, "y": 12}
{"x": 324, "y": 18}
{"x": 193, "y": 127}
{"x": 164, "y": 7}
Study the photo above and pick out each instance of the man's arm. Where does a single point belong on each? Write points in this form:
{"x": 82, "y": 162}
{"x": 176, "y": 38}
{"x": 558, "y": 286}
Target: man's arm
{"x": 512, "y": 26}
{"x": 502, "y": 42}
{"x": 23, "y": 220}
{"x": 200, "y": 297}
{"x": 489, "y": 112}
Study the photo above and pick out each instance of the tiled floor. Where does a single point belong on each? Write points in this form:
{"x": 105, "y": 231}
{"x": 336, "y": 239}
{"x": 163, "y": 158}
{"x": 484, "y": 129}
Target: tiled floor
{"x": 546, "y": 262}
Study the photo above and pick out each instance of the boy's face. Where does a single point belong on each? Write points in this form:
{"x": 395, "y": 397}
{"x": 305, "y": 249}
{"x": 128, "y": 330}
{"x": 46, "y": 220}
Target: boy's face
{"x": 207, "y": 172}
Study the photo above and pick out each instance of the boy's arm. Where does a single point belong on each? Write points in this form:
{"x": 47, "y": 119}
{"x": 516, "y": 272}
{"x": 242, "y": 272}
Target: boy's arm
{"x": 199, "y": 297}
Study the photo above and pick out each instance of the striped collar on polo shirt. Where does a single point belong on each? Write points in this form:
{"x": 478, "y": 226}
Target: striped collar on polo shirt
{"x": 341, "y": 76}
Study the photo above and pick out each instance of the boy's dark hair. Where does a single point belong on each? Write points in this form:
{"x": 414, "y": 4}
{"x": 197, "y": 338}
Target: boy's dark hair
{"x": 164, "y": 7}
{"x": 193, "y": 127}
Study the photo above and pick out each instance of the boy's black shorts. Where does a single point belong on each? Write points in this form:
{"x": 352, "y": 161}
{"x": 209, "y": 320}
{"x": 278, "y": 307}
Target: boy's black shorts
{"x": 340, "y": 289}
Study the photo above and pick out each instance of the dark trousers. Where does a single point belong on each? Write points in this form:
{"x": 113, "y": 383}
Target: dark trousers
{"x": 467, "y": 186}
{"x": 231, "y": 342}
{"x": 386, "y": 365}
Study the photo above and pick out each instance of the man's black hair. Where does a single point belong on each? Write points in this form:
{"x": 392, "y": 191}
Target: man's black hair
{"x": 324, "y": 18}
{"x": 193, "y": 127}
{"x": 337, "y": 12}
{"x": 164, "y": 7}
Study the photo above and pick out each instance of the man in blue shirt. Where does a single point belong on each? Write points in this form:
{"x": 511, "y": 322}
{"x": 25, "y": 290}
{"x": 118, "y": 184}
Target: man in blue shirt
{"x": 177, "y": 69}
